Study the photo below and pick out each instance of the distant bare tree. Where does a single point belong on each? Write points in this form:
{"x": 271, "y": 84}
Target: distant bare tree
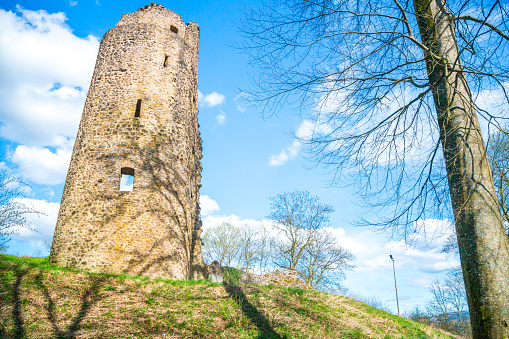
{"x": 457, "y": 294}
{"x": 439, "y": 306}
{"x": 374, "y": 302}
{"x": 448, "y": 303}
{"x": 498, "y": 154}
{"x": 394, "y": 87}
{"x": 419, "y": 315}
{"x": 371, "y": 300}
{"x": 297, "y": 216}
{"x": 264, "y": 249}
{"x": 324, "y": 261}
{"x": 249, "y": 247}
{"x": 13, "y": 211}
{"x": 303, "y": 245}
{"x": 222, "y": 243}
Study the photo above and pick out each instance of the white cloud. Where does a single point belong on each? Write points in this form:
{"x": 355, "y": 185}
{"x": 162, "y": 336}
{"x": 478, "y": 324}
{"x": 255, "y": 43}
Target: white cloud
{"x": 73, "y": 3}
{"x": 416, "y": 266}
{"x": 235, "y": 220}
{"x": 422, "y": 282}
{"x": 43, "y": 224}
{"x": 49, "y": 192}
{"x": 46, "y": 71}
{"x": 285, "y": 154}
{"x": 332, "y": 101}
{"x": 425, "y": 255}
{"x": 493, "y": 101}
{"x": 278, "y": 159}
{"x": 239, "y": 99}
{"x": 208, "y": 205}
{"x": 221, "y": 118}
{"x": 42, "y": 166}
{"x": 304, "y": 132}
{"x": 210, "y": 100}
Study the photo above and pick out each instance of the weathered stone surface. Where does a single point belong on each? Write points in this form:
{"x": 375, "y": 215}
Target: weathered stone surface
{"x": 286, "y": 278}
{"x": 150, "y": 55}
{"x": 216, "y": 278}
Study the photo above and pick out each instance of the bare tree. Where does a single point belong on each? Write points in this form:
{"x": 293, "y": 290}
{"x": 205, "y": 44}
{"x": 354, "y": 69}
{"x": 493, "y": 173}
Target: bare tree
{"x": 324, "y": 261}
{"x": 419, "y": 315}
{"x": 371, "y": 300}
{"x": 448, "y": 303}
{"x": 13, "y": 210}
{"x": 244, "y": 247}
{"x": 297, "y": 216}
{"x": 439, "y": 306}
{"x": 264, "y": 249}
{"x": 457, "y": 294}
{"x": 222, "y": 243}
{"x": 302, "y": 244}
{"x": 498, "y": 154}
{"x": 249, "y": 247}
{"x": 393, "y": 89}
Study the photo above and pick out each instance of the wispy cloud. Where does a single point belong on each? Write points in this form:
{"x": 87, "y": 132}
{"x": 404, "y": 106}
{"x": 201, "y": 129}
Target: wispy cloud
{"x": 208, "y": 205}
{"x": 239, "y": 100}
{"x": 285, "y": 154}
{"x": 305, "y": 131}
{"x": 221, "y": 118}
{"x": 210, "y": 100}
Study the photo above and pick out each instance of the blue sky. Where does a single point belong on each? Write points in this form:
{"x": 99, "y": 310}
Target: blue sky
{"x": 47, "y": 55}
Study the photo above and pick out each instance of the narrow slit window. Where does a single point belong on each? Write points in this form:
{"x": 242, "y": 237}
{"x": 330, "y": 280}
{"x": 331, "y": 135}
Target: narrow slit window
{"x": 165, "y": 63}
{"x": 126, "y": 179}
{"x": 174, "y": 29}
{"x": 138, "y": 109}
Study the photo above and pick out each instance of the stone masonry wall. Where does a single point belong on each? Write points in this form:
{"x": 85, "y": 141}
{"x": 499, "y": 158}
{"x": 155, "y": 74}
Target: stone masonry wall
{"x": 150, "y": 55}
{"x": 285, "y": 278}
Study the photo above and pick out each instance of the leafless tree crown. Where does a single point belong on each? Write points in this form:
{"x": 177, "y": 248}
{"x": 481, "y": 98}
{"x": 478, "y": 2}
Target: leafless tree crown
{"x": 357, "y": 69}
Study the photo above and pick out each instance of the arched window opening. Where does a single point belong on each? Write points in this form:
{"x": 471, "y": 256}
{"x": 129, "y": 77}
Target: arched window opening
{"x": 165, "y": 63}
{"x": 138, "y": 109}
{"x": 174, "y": 29}
{"x": 126, "y": 179}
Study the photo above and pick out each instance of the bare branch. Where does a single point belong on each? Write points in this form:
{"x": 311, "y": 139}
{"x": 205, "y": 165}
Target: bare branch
{"x": 484, "y": 23}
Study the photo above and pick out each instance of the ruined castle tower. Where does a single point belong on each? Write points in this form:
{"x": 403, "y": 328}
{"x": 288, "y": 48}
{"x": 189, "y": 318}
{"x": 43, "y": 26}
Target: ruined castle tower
{"x": 130, "y": 202}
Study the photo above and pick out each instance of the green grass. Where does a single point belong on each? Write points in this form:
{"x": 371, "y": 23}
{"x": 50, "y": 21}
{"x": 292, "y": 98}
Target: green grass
{"x": 41, "y": 300}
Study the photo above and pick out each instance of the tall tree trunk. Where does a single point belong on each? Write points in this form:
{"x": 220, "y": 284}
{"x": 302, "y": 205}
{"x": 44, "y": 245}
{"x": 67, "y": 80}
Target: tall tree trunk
{"x": 483, "y": 244}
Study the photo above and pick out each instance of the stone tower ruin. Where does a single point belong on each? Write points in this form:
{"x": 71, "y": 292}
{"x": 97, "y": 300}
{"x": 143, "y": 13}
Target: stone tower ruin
{"x": 130, "y": 202}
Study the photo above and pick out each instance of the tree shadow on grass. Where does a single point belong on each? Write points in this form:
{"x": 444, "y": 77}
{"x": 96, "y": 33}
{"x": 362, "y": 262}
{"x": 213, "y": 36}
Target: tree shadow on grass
{"x": 250, "y": 311}
{"x": 16, "y": 311}
{"x": 89, "y": 298}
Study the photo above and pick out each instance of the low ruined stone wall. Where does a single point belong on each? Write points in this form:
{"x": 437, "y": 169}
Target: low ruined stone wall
{"x": 286, "y": 278}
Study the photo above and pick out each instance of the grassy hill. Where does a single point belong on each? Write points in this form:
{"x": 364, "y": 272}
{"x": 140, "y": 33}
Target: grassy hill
{"x": 39, "y": 300}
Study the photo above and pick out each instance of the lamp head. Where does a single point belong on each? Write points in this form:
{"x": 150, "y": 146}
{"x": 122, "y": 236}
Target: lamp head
{"x": 390, "y": 255}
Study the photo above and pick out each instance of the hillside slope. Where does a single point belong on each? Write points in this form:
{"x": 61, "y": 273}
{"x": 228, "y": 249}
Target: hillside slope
{"x": 39, "y": 300}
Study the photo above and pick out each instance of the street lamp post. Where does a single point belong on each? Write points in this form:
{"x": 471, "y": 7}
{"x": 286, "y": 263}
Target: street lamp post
{"x": 395, "y": 285}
